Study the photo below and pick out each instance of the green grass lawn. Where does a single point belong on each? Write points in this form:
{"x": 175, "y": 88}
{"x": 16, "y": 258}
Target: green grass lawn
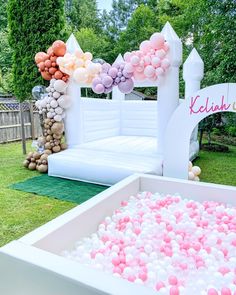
{"x": 218, "y": 167}
{"x": 22, "y": 212}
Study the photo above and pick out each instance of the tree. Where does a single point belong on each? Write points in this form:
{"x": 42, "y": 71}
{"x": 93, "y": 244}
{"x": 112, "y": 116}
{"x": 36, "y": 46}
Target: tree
{"x": 94, "y": 43}
{"x": 33, "y": 27}
{"x": 3, "y": 14}
{"x": 117, "y": 19}
{"x": 140, "y": 27}
{"x": 83, "y": 14}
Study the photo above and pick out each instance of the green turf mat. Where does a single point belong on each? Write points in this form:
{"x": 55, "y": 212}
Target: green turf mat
{"x": 59, "y": 188}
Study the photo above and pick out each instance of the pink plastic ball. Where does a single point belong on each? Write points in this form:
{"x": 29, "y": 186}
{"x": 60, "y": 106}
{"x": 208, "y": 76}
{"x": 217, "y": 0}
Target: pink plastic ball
{"x": 225, "y": 291}
{"x": 174, "y": 290}
{"x": 157, "y": 40}
{"x": 172, "y": 280}
{"x": 149, "y": 71}
{"x": 145, "y": 46}
{"x": 212, "y": 292}
{"x": 160, "y": 285}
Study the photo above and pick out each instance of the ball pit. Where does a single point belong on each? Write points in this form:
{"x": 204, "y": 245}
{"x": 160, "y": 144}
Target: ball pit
{"x": 167, "y": 243}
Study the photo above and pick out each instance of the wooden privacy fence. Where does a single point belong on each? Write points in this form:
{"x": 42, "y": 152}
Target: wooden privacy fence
{"x": 10, "y": 121}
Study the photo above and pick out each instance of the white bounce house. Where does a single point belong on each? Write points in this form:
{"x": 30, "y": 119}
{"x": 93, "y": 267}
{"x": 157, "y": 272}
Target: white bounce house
{"x": 109, "y": 140}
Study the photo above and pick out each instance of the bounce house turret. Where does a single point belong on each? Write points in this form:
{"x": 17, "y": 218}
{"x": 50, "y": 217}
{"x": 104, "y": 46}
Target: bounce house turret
{"x": 73, "y": 132}
{"x": 168, "y": 91}
{"x": 193, "y": 72}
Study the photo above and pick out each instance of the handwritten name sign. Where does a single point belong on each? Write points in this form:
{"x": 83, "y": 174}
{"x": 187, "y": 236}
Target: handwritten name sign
{"x": 197, "y": 106}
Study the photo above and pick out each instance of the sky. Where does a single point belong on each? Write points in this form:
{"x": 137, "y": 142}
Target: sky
{"x": 104, "y": 4}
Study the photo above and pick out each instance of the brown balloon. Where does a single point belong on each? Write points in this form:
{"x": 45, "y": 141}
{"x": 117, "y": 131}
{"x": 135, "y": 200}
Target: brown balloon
{"x": 48, "y": 63}
{"x": 53, "y": 58}
{"x": 46, "y": 76}
{"x": 40, "y": 57}
{"x": 50, "y": 51}
{"x": 58, "y": 75}
{"x": 52, "y": 70}
{"x": 59, "y": 48}
{"x": 41, "y": 66}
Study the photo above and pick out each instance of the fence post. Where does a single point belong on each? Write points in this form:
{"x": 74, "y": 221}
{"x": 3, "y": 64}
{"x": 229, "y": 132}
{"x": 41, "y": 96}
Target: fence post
{"x": 22, "y": 128}
{"x": 31, "y": 110}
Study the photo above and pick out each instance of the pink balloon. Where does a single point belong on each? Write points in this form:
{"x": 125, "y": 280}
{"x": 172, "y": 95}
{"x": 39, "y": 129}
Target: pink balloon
{"x": 165, "y": 63}
{"x": 160, "y": 53}
{"x": 157, "y": 40}
{"x": 127, "y": 75}
{"x": 147, "y": 60}
{"x": 108, "y": 90}
{"x": 139, "y": 76}
{"x": 145, "y": 46}
{"x": 139, "y": 69}
{"x": 126, "y": 86}
{"x": 127, "y": 56}
{"x": 149, "y": 71}
{"x": 107, "y": 81}
{"x": 153, "y": 78}
{"x": 99, "y": 88}
{"x": 96, "y": 81}
{"x": 156, "y": 61}
{"x": 134, "y": 60}
{"x": 113, "y": 72}
{"x": 128, "y": 68}
{"x": 166, "y": 46}
{"x": 159, "y": 71}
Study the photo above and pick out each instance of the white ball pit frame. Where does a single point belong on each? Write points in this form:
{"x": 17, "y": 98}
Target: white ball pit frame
{"x": 32, "y": 264}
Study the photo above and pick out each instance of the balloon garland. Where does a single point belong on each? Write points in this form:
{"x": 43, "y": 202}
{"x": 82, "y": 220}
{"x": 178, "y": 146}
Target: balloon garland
{"x": 51, "y": 106}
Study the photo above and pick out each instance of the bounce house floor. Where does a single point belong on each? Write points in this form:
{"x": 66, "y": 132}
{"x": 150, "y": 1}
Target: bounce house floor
{"x": 109, "y": 160}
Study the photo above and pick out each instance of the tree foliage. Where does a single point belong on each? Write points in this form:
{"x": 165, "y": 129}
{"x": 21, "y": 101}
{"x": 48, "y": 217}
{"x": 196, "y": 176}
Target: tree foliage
{"x": 83, "y": 14}
{"x": 33, "y": 26}
{"x": 140, "y": 27}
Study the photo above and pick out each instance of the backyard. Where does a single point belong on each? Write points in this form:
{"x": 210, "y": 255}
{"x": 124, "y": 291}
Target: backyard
{"x": 22, "y": 212}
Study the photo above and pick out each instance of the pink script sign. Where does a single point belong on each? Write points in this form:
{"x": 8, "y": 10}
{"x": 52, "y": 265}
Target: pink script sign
{"x": 198, "y": 105}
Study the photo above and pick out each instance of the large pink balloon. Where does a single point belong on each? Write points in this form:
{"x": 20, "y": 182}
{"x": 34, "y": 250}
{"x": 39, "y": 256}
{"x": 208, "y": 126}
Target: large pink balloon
{"x": 99, "y": 88}
{"x": 134, "y": 60}
{"x": 139, "y": 76}
{"x": 145, "y": 46}
{"x": 149, "y": 71}
{"x": 126, "y": 86}
{"x": 157, "y": 40}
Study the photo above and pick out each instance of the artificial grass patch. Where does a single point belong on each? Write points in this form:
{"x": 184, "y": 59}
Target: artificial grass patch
{"x": 59, "y": 188}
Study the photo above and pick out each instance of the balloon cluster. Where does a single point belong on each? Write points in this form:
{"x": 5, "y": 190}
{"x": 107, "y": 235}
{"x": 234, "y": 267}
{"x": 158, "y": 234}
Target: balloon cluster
{"x": 36, "y": 161}
{"x": 150, "y": 61}
{"x": 47, "y": 62}
{"x": 119, "y": 74}
{"x": 80, "y": 66}
{"x": 55, "y": 102}
{"x": 193, "y": 172}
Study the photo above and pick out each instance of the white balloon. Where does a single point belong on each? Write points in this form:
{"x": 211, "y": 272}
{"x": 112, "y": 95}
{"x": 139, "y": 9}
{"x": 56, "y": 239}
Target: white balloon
{"x": 196, "y": 170}
{"x": 191, "y": 175}
{"x": 60, "y": 86}
{"x": 56, "y": 94}
{"x": 59, "y": 110}
{"x": 58, "y": 118}
{"x": 64, "y": 101}
{"x": 49, "y": 115}
{"x": 54, "y": 103}
{"x": 196, "y": 178}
